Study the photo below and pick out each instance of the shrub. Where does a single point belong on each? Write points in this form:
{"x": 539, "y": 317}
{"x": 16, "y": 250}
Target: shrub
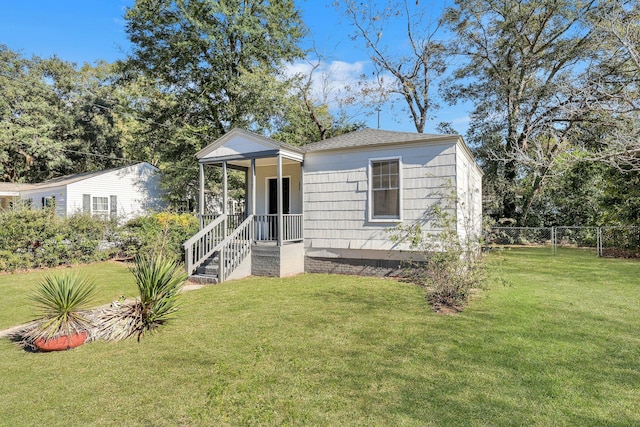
{"x": 60, "y": 300}
{"x": 38, "y": 238}
{"x": 83, "y": 234}
{"x": 161, "y": 234}
{"x": 22, "y": 231}
{"x": 450, "y": 264}
{"x": 159, "y": 282}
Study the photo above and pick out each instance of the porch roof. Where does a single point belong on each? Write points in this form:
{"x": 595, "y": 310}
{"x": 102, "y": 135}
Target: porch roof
{"x": 240, "y": 146}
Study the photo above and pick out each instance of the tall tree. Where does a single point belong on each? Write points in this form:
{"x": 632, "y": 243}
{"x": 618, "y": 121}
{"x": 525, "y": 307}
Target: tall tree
{"x": 56, "y": 119}
{"x": 524, "y": 59}
{"x": 414, "y": 67}
{"x": 101, "y": 124}
{"x": 308, "y": 116}
{"x": 35, "y": 119}
{"x": 214, "y": 65}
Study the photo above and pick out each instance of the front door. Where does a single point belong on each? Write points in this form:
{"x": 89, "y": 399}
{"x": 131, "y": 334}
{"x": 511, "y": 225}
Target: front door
{"x": 272, "y": 202}
{"x": 273, "y": 195}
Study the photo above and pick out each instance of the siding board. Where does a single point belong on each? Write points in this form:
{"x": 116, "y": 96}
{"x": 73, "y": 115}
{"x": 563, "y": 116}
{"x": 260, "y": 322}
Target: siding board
{"x": 336, "y": 193}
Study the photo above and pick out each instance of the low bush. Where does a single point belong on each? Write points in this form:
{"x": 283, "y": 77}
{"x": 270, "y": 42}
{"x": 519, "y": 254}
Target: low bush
{"x": 160, "y": 234}
{"x": 159, "y": 281}
{"x": 448, "y": 264}
{"x": 38, "y": 238}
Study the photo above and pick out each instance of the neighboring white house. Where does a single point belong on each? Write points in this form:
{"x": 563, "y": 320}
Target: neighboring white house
{"x": 327, "y": 206}
{"x": 122, "y": 193}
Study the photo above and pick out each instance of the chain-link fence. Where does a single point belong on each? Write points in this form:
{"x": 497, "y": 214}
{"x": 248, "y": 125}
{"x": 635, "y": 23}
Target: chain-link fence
{"x": 604, "y": 241}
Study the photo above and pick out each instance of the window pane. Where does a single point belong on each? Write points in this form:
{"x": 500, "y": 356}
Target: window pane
{"x": 100, "y": 204}
{"x": 393, "y": 167}
{"x": 385, "y": 203}
{"x": 376, "y": 168}
{"x": 384, "y": 168}
{"x": 377, "y": 182}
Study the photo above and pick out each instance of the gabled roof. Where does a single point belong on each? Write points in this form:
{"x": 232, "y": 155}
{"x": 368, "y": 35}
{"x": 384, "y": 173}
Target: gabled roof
{"x": 369, "y": 137}
{"x": 70, "y": 179}
{"x": 267, "y": 143}
{"x": 13, "y": 188}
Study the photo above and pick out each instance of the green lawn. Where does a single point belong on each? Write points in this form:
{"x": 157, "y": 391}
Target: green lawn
{"x": 112, "y": 280}
{"x": 552, "y": 341}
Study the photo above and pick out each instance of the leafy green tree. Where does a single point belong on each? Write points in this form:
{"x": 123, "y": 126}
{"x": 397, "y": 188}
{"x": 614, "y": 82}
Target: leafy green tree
{"x": 555, "y": 84}
{"x": 56, "y": 119}
{"x": 32, "y": 119}
{"x": 213, "y": 66}
{"x": 100, "y": 121}
{"x": 523, "y": 59}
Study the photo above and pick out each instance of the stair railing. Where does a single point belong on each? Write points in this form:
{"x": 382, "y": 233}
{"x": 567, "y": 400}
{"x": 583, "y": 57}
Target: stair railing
{"x": 203, "y": 244}
{"x": 234, "y": 249}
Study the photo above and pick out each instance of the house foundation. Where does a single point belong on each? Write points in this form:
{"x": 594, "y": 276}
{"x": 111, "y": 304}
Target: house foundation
{"x": 277, "y": 261}
{"x": 356, "y": 262}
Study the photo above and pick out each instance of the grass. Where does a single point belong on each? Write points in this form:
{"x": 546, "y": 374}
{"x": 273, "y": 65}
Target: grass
{"x": 112, "y": 281}
{"x": 552, "y": 341}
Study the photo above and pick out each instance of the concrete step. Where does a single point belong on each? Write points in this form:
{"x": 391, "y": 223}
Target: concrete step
{"x": 209, "y": 270}
{"x": 204, "y": 279}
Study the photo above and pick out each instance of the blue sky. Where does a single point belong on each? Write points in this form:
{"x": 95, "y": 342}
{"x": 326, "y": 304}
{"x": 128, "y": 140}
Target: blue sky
{"x": 89, "y": 30}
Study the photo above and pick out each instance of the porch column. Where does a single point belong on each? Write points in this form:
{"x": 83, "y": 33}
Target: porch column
{"x": 279, "y": 188}
{"x": 201, "y": 193}
{"x": 224, "y": 200}
{"x": 302, "y": 198}
{"x": 224, "y": 187}
{"x": 252, "y": 204}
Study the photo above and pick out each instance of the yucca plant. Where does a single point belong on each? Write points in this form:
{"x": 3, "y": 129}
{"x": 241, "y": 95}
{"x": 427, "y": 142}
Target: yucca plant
{"x": 60, "y": 300}
{"x": 159, "y": 282}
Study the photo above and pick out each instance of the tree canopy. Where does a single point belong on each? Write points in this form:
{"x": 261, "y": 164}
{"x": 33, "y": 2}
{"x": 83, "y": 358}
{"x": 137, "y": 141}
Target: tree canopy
{"x": 554, "y": 86}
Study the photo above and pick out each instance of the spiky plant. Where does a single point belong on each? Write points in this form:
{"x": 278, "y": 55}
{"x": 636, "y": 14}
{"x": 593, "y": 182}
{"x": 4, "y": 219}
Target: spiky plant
{"x": 60, "y": 300}
{"x": 159, "y": 282}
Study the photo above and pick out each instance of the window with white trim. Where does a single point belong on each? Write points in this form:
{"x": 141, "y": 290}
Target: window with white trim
{"x": 384, "y": 182}
{"x": 100, "y": 206}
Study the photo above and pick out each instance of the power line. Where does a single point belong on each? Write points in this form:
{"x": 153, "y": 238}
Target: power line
{"x": 98, "y": 155}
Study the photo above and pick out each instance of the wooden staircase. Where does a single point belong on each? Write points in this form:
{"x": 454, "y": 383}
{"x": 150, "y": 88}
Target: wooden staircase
{"x": 212, "y": 255}
{"x": 209, "y": 271}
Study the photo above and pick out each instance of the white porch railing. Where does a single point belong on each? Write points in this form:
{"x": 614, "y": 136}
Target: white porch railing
{"x": 202, "y": 245}
{"x": 233, "y": 220}
{"x": 266, "y": 227}
{"x": 233, "y": 247}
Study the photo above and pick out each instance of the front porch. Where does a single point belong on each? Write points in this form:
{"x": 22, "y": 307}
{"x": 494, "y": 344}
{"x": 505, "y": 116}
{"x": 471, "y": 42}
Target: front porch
{"x": 273, "y": 217}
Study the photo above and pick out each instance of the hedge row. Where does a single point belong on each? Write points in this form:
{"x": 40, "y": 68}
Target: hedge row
{"x": 39, "y": 238}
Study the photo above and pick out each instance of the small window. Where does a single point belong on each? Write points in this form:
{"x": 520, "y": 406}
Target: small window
{"x": 385, "y": 189}
{"x": 101, "y": 206}
{"x": 48, "y": 202}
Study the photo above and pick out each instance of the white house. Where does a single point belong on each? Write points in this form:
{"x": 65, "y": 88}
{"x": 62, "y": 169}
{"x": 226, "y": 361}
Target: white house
{"x": 122, "y": 193}
{"x": 327, "y": 206}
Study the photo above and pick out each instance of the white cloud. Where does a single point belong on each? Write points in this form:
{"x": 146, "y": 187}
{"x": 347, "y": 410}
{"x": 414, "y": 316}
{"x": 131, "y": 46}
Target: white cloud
{"x": 336, "y": 81}
{"x": 461, "y": 120}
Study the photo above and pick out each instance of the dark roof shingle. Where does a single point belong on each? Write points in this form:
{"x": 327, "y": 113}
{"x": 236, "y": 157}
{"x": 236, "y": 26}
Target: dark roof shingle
{"x": 368, "y": 137}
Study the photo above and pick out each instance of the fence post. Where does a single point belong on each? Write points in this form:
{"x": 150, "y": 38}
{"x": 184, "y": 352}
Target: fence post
{"x": 554, "y": 241}
{"x": 599, "y": 241}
